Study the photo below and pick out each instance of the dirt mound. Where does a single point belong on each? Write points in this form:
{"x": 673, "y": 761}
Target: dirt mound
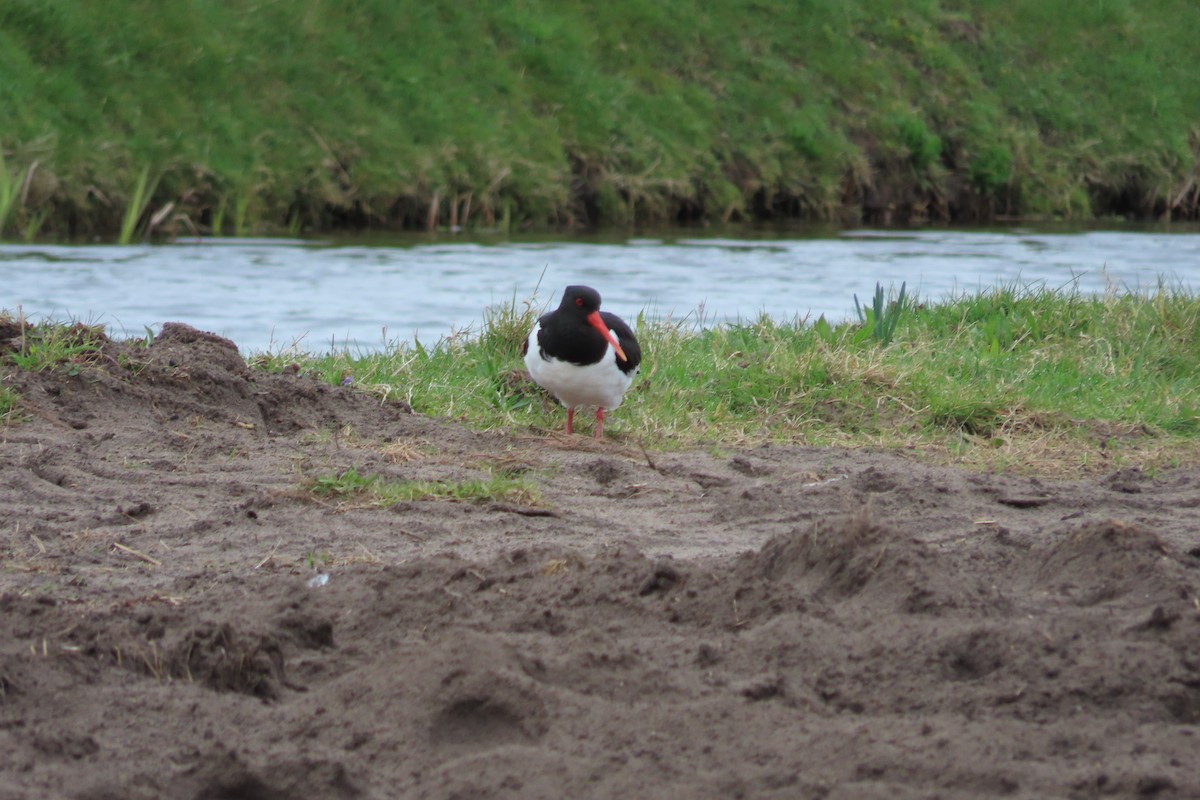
{"x": 1107, "y": 560}
{"x": 844, "y": 558}
{"x": 180, "y": 617}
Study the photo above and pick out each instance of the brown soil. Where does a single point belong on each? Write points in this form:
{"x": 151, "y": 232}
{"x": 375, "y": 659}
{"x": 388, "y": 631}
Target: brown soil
{"x": 776, "y": 622}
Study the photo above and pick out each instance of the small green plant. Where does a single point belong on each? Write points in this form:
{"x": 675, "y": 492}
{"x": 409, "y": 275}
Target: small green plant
{"x": 314, "y": 560}
{"x": 883, "y": 316}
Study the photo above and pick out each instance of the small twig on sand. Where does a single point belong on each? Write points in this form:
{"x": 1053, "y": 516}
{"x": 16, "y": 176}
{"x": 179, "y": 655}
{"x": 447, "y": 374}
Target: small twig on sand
{"x": 268, "y": 556}
{"x": 138, "y": 553}
{"x": 525, "y": 511}
{"x": 416, "y": 537}
{"x": 649, "y": 460}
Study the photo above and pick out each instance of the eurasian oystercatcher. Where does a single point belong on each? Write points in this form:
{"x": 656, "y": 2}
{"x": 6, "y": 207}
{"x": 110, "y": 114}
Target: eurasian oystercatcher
{"x": 582, "y": 355}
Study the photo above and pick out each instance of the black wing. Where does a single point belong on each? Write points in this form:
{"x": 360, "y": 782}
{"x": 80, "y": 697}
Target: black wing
{"x": 628, "y": 342}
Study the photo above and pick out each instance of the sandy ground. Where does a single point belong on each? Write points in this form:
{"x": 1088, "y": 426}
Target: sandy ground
{"x": 179, "y": 619}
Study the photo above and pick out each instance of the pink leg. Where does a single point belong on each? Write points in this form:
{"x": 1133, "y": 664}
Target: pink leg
{"x": 599, "y": 421}
{"x": 570, "y": 420}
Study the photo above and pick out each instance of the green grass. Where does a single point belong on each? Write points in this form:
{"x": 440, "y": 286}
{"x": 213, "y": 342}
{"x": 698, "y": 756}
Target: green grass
{"x": 1019, "y": 376}
{"x": 351, "y": 486}
{"x": 315, "y": 114}
{"x": 9, "y": 405}
{"x": 49, "y": 345}
{"x": 8, "y": 193}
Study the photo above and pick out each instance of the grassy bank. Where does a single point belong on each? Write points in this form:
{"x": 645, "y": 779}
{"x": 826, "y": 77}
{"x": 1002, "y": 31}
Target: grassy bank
{"x": 1018, "y": 378}
{"x": 1015, "y": 378}
{"x": 273, "y": 117}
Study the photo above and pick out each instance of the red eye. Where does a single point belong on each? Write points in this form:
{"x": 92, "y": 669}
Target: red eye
{"x": 578, "y": 301}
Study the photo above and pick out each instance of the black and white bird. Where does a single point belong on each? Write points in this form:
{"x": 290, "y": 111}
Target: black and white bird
{"x": 582, "y": 355}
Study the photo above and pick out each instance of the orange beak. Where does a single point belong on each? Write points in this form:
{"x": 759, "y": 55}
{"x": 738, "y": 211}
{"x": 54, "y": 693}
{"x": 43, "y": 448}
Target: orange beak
{"x": 597, "y": 323}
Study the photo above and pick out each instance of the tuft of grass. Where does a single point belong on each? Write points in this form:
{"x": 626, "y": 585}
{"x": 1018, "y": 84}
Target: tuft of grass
{"x": 314, "y": 560}
{"x": 375, "y": 490}
{"x": 9, "y": 405}
{"x": 343, "y": 484}
{"x": 49, "y": 345}
{"x": 884, "y": 315}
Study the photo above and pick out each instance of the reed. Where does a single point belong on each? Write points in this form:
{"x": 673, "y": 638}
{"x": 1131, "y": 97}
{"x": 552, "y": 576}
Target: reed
{"x": 241, "y": 214}
{"x": 143, "y": 190}
{"x": 217, "y": 223}
{"x": 34, "y": 225}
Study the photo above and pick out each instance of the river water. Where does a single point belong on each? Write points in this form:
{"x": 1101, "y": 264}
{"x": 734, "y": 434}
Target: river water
{"x": 367, "y": 294}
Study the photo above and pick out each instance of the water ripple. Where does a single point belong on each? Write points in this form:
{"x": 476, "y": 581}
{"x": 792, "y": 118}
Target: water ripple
{"x": 273, "y": 293}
